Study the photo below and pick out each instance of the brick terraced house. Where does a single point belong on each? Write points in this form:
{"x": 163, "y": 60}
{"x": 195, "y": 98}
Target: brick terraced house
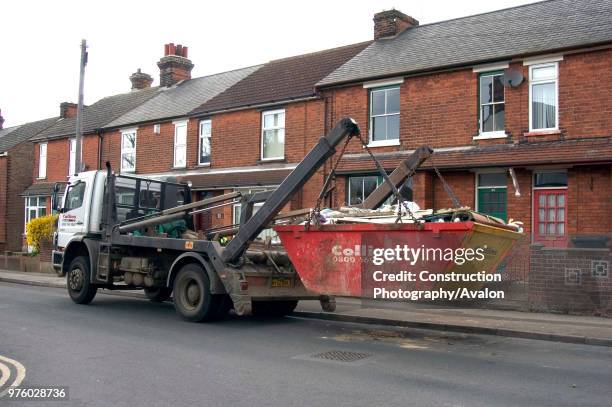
{"x": 16, "y": 163}
{"x": 262, "y": 127}
{"x": 516, "y": 104}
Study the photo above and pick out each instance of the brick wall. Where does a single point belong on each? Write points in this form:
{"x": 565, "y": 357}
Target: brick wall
{"x": 3, "y": 199}
{"x": 58, "y": 157}
{"x": 570, "y": 280}
{"x": 19, "y": 170}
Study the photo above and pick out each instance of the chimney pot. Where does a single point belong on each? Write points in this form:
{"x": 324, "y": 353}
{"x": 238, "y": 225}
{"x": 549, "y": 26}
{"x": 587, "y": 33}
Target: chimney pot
{"x": 390, "y": 23}
{"x": 174, "y": 66}
{"x": 67, "y": 110}
{"x": 1, "y": 120}
{"x": 140, "y": 80}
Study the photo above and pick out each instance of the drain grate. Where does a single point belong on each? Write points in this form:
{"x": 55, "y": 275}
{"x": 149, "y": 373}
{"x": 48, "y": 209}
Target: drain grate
{"x": 342, "y": 356}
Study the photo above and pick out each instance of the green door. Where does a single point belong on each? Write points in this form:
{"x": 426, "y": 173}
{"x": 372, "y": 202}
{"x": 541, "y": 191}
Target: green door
{"x": 493, "y": 201}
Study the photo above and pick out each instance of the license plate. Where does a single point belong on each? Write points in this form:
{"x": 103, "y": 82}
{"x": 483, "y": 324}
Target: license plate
{"x": 281, "y": 282}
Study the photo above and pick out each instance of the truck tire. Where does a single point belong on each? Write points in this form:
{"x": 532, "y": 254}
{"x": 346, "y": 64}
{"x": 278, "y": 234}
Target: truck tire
{"x": 158, "y": 294}
{"x": 192, "y": 298}
{"x": 78, "y": 281}
{"x": 273, "y": 308}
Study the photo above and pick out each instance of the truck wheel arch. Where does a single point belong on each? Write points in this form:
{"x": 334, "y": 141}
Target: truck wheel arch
{"x": 216, "y": 286}
{"x": 81, "y": 247}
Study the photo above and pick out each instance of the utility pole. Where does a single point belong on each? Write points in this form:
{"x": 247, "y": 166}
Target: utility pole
{"x": 78, "y": 167}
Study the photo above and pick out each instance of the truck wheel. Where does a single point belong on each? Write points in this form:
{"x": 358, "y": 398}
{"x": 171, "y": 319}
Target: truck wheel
{"x": 192, "y": 298}
{"x": 328, "y": 304}
{"x": 158, "y": 294}
{"x": 273, "y": 308}
{"x": 78, "y": 281}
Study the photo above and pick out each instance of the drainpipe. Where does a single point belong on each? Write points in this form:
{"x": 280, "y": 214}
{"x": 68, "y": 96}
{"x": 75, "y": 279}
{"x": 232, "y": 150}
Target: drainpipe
{"x": 99, "y": 132}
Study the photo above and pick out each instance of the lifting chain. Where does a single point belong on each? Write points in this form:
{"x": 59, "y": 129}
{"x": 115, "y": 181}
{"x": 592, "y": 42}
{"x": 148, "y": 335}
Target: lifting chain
{"x": 383, "y": 173}
{"x": 325, "y": 190}
{"x": 447, "y": 187}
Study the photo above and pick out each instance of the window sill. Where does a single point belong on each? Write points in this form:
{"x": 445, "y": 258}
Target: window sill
{"x": 41, "y": 178}
{"x": 180, "y": 168}
{"x": 204, "y": 165}
{"x": 490, "y": 135}
{"x": 384, "y": 143}
{"x": 272, "y": 160}
{"x": 533, "y": 133}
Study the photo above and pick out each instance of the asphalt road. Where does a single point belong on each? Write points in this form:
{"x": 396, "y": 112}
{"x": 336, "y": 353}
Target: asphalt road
{"x": 122, "y": 351}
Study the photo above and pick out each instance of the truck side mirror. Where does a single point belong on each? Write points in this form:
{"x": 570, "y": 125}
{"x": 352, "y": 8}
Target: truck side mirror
{"x": 54, "y": 203}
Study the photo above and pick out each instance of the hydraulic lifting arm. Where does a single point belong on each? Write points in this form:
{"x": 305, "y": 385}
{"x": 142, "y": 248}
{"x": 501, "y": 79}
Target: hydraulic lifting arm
{"x": 397, "y": 177}
{"x": 324, "y": 149}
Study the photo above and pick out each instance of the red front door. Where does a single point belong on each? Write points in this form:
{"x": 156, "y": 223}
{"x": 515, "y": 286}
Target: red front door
{"x": 550, "y": 215}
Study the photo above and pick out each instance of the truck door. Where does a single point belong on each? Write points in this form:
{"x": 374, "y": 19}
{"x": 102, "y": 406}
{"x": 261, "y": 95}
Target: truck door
{"x": 72, "y": 219}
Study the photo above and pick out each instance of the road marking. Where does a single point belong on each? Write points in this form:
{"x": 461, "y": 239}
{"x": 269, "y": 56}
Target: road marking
{"x": 5, "y": 364}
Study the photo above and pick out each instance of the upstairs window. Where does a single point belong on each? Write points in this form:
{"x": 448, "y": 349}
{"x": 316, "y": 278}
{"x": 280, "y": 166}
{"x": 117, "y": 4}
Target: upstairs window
{"x": 42, "y": 160}
{"x": 205, "y": 134}
{"x": 273, "y": 135}
{"x": 72, "y": 159}
{"x": 180, "y": 144}
{"x": 492, "y": 103}
{"x": 384, "y": 116}
{"x": 543, "y": 97}
{"x": 128, "y": 150}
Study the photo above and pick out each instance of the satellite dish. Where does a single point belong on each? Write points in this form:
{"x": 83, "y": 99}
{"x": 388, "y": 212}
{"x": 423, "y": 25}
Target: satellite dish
{"x": 512, "y": 77}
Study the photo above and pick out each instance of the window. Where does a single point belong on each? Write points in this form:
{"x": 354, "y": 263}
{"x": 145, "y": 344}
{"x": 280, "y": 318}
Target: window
{"x": 492, "y": 102}
{"x": 491, "y": 194}
{"x": 273, "y": 135}
{"x": 74, "y": 197}
{"x": 543, "y": 97}
{"x": 42, "y": 160}
{"x": 360, "y": 188}
{"x": 72, "y": 160}
{"x": 128, "y": 150}
{"x": 550, "y": 208}
{"x": 205, "y": 133}
{"x": 384, "y": 116}
{"x": 266, "y": 233}
{"x": 35, "y": 207}
{"x": 180, "y": 144}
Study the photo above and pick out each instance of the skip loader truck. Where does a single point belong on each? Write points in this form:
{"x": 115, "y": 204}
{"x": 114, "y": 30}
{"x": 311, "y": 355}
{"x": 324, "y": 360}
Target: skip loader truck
{"x": 122, "y": 232}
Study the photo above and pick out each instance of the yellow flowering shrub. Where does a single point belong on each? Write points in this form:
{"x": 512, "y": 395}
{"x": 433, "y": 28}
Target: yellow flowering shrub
{"x": 39, "y": 230}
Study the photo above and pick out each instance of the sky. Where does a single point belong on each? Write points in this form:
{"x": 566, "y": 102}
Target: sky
{"x": 39, "y": 64}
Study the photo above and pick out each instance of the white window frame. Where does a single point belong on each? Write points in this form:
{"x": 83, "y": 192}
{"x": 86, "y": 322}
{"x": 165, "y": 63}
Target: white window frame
{"x": 387, "y": 142}
{"x": 483, "y": 135}
{"x": 42, "y": 161}
{"x": 201, "y": 136}
{"x": 71, "y": 156}
{"x": 177, "y": 126}
{"x": 129, "y": 150}
{"x": 36, "y": 207}
{"x": 263, "y": 129}
{"x": 363, "y": 177}
{"x": 533, "y": 82}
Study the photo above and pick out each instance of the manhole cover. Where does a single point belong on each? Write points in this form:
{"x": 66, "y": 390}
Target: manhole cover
{"x": 342, "y": 355}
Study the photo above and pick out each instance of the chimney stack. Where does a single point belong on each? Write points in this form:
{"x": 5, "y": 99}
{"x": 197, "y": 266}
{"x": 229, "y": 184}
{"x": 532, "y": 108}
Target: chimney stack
{"x": 174, "y": 66}
{"x": 68, "y": 110}
{"x": 390, "y": 23}
{"x": 1, "y": 120}
{"x": 141, "y": 80}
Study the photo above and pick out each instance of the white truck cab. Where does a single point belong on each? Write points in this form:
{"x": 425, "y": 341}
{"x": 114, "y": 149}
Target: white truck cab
{"x": 80, "y": 210}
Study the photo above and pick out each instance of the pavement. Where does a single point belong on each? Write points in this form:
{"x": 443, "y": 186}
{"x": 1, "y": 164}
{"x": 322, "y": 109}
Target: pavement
{"x": 529, "y": 325}
{"x": 124, "y": 351}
